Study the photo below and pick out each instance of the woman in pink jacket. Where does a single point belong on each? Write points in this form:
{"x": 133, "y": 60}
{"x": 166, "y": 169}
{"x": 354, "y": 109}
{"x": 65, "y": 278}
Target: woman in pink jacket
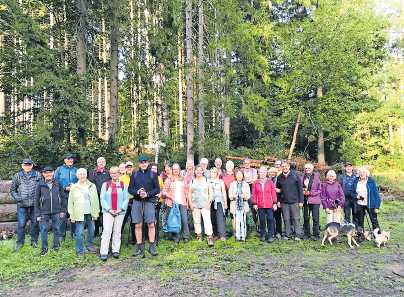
{"x": 175, "y": 190}
{"x": 264, "y": 200}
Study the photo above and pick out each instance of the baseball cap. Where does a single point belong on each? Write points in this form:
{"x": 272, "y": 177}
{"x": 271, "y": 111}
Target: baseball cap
{"x": 68, "y": 156}
{"x": 47, "y": 168}
{"x": 27, "y": 161}
{"x": 143, "y": 158}
{"x": 129, "y": 163}
{"x": 348, "y": 164}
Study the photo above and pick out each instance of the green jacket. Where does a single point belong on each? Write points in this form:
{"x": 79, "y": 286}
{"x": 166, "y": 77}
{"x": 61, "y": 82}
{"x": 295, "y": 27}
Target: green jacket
{"x": 76, "y": 202}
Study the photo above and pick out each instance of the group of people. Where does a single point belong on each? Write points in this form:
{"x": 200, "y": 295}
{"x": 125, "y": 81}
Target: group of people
{"x": 107, "y": 199}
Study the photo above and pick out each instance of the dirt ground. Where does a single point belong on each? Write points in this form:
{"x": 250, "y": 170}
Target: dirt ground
{"x": 344, "y": 274}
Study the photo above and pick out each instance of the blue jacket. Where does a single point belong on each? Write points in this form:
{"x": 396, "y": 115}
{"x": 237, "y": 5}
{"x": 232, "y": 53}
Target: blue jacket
{"x": 23, "y": 187}
{"x": 148, "y": 181}
{"x": 374, "y": 200}
{"x": 66, "y": 175}
{"x": 106, "y": 199}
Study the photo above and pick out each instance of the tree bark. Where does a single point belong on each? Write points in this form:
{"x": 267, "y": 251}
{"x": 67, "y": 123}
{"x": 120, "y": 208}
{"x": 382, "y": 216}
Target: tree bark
{"x": 180, "y": 91}
{"x": 8, "y": 212}
{"x": 81, "y": 38}
{"x": 201, "y": 105}
{"x": 293, "y": 144}
{"x": 9, "y": 227}
{"x": 2, "y": 95}
{"x": 321, "y": 149}
{"x": 226, "y": 130}
{"x": 5, "y": 198}
{"x": 188, "y": 64}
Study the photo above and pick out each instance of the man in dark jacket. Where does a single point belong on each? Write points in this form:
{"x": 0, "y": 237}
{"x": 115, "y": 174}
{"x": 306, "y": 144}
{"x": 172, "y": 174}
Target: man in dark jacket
{"x": 144, "y": 187}
{"x": 50, "y": 204}
{"x": 98, "y": 177}
{"x": 23, "y": 189}
{"x": 290, "y": 187}
{"x": 347, "y": 181}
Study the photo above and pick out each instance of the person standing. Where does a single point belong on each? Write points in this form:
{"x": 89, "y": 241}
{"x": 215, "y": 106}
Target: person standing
{"x": 332, "y": 197}
{"x": 368, "y": 198}
{"x": 144, "y": 186}
{"x": 84, "y": 209}
{"x": 50, "y": 205}
{"x": 347, "y": 181}
{"x": 273, "y": 175}
{"x": 290, "y": 188}
{"x": 159, "y": 205}
{"x": 125, "y": 178}
{"x": 23, "y": 187}
{"x": 239, "y": 194}
{"x": 114, "y": 203}
{"x": 65, "y": 175}
{"x": 311, "y": 190}
{"x": 200, "y": 198}
{"x": 219, "y": 205}
{"x": 175, "y": 191}
{"x": 98, "y": 177}
{"x": 218, "y": 166}
{"x": 250, "y": 176}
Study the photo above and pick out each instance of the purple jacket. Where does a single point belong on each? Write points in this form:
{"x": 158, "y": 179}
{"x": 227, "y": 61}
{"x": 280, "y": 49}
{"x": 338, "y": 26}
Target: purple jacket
{"x": 315, "y": 190}
{"x": 330, "y": 193}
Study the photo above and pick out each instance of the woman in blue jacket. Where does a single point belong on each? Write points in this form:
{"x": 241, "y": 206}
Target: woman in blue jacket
{"x": 367, "y": 198}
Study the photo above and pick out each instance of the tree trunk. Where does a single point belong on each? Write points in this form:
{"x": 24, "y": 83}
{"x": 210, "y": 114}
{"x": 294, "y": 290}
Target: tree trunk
{"x": 201, "y": 105}
{"x": 391, "y": 137}
{"x": 8, "y": 212}
{"x": 9, "y": 227}
{"x": 5, "y": 186}
{"x": 321, "y": 149}
{"x": 2, "y": 95}
{"x": 113, "y": 116}
{"x": 180, "y": 91}
{"x": 81, "y": 38}
{"x": 5, "y": 198}
{"x": 188, "y": 64}
{"x": 293, "y": 144}
{"x": 226, "y": 130}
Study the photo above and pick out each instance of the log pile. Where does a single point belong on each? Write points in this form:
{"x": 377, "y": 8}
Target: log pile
{"x": 8, "y": 209}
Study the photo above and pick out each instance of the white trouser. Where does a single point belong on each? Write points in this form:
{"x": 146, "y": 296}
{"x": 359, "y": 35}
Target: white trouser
{"x": 207, "y": 224}
{"x": 241, "y": 225}
{"x": 111, "y": 225}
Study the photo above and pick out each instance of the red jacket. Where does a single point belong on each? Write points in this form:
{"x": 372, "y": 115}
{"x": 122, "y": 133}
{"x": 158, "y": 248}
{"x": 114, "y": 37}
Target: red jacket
{"x": 264, "y": 199}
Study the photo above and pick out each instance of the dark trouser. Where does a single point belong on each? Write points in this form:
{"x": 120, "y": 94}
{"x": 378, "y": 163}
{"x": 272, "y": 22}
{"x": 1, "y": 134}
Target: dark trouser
{"x": 213, "y": 218}
{"x": 278, "y": 221}
{"x": 98, "y": 226}
{"x": 44, "y": 226}
{"x": 361, "y": 212}
{"x": 291, "y": 216}
{"x": 184, "y": 222}
{"x": 23, "y": 215}
{"x": 220, "y": 221}
{"x": 350, "y": 208}
{"x": 63, "y": 223}
{"x": 88, "y": 221}
{"x": 157, "y": 211}
{"x": 125, "y": 219}
{"x": 314, "y": 210}
{"x": 253, "y": 212}
{"x": 266, "y": 215}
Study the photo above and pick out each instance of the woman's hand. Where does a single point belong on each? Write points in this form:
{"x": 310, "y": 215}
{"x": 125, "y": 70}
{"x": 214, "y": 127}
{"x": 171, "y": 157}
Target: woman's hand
{"x": 376, "y": 210}
{"x": 327, "y": 210}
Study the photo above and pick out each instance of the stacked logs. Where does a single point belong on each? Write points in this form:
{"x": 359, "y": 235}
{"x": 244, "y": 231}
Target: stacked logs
{"x": 8, "y": 209}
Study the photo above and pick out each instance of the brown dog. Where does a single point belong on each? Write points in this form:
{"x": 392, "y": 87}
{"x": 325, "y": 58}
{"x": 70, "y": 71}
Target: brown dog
{"x": 334, "y": 229}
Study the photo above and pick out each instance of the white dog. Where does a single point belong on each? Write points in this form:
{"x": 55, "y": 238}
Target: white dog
{"x": 381, "y": 238}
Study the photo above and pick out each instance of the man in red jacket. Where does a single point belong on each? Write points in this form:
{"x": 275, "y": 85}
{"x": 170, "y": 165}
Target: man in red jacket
{"x": 265, "y": 201}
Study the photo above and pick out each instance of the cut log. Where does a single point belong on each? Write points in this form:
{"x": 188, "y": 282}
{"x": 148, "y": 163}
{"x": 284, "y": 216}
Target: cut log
{"x": 5, "y": 186}
{"x": 8, "y": 212}
{"x": 5, "y": 198}
{"x": 8, "y": 226}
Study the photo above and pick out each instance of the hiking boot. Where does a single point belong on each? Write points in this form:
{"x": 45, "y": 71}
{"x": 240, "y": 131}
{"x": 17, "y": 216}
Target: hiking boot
{"x": 305, "y": 237}
{"x": 278, "y": 236}
{"x": 153, "y": 249}
{"x": 285, "y": 238}
{"x": 198, "y": 237}
{"x": 262, "y": 238}
{"x": 210, "y": 241}
{"x": 18, "y": 247}
{"x": 271, "y": 240}
{"x": 92, "y": 249}
{"x": 44, "y": 252}
{"x": 115, "y": 255}
{"x": 34, "y": 244}
{"x": 104, "y": 258}
{"x": 139, "y": 250}
{"x": 297, "y": 238}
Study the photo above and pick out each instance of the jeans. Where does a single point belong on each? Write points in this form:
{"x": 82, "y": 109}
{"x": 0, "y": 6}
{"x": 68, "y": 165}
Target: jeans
{"x": 112, "y": 226}
{"x": 291, "y": 216}
{"x": 314, "y": 210}
{"x": 63, "y": 226}
{"x": 361, "y": 213}
{"x": 23, "y": 215}
{"x": 278, "y": 221}
{"x": 220, "y": 221}
{"x": 350, "y": 208}
{"x": 266, "y": 217}
{"x": 88, "y": 221}
{"x": 44, "y": 226}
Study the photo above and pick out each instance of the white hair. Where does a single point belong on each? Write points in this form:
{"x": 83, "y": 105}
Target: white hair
{"x": 81, "y": 170}
{"x": 229, "y": 165}
{"x": 309, "y": 165}
{"x": 264, "y": 168}
{"x": 364, "y": 170}
{"x": 218, "y": 159}
{"x": 204, "y": 161}
{"x": 101, "y": 159}
{"x": 272, "y": 169}
{"x": 331, "y": 173}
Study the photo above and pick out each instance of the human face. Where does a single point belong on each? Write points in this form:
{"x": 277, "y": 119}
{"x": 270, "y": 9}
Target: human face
{"x": 69, "y": 162}
{"x": 114, "y": 174}
{"x": 27, "y": 167}
{"x": 154, "y": 169}
{"x": 48, "y": 175}
{"x": 129, "y": 169}
{"x": 213, "y": 173}
{"x": 308, "y": 169}
{"x": 331, "y": 178}
{"x": 247, "y": 164}
{"x": 349, "y": 169}
{"x": 122, "y": 169}
{"x": 285, "y": 168}
{"x": 239, "y": 176}
{"x": 218, "y": 163}
{"x": 101, "y": 163}
{"x": 272, "y": 173}
{"x": 190, "y": 168}
{"x": 176, "y": 171}
{"x": 82, "y": 176}
{"x": 362, "y": 174}
{"x": 199, "y": 172}
{"x": 263, "y": 173}
{"x": 143, "y": 165}
{"x": 204, "y": 166}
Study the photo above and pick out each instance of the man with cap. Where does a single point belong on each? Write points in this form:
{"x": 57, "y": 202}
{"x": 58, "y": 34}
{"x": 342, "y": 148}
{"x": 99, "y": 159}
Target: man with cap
{"x": 23, "y": 189}
{"x": 144, "y": 186}
{"x": 65, "y": 175}
{"x": 347, "y": 181}
{"x": 50, "y": 204}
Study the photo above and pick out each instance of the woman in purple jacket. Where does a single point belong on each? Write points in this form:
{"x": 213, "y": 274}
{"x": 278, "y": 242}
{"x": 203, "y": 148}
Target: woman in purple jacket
{"x": 311, "y": 190}
{"x": 332, "y": 197}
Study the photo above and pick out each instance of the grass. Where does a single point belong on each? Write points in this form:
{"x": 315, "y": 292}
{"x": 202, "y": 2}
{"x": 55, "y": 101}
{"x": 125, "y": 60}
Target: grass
{"x": 392, "y": 179}
{"x": 226, "y": 257}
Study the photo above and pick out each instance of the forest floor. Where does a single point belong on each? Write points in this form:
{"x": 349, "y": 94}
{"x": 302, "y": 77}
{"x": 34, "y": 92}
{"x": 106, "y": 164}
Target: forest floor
{"x": 283, "y": 268}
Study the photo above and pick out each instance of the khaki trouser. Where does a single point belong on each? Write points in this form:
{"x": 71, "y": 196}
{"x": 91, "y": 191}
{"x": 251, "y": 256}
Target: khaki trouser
{"x": 111, "y": 225}
{"x": 207, "y": 224}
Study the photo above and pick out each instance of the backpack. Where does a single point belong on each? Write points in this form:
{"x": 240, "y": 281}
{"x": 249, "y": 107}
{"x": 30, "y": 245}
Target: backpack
{"x": 173, "y": 224}
{"x": 109, "y": 183}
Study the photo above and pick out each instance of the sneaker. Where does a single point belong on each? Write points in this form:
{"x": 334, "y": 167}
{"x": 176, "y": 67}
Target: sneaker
{"x": 139, "y": 250}
{"x": 262, "y": 238}
{"x": 278, "y": 236}
{"x": 271, "y": 240}
{"x": 297, "y": 238}
{"x": 104, "y": 258}
{"x": 34, "y": 244}
{"x": 115, "y": 255}
{"x": 56, "y": 248}
{"x": 44, "y": 252}
{"x": 210, "y": 241}
{"x": 153, "y": 249}
{"x": 285, "y": 238}
{"x": 306, "y": 237}
{"x": 92, "y": 249}
{"x": 186, "y": 240}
